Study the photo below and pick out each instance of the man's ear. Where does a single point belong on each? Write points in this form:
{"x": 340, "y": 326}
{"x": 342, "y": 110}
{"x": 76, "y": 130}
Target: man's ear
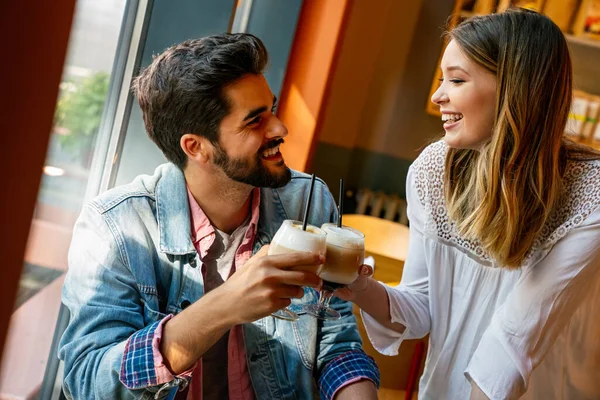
{"x": 195, "y": 147}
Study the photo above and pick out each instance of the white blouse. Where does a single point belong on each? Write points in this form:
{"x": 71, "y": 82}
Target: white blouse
{"x": 493, "y": 325}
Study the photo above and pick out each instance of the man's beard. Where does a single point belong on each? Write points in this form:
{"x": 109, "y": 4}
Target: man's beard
{"x": 252, "y": 171}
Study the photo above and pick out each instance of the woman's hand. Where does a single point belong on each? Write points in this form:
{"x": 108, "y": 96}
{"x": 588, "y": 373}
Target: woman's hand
{"x": 361, "y": 283}
{"x": 371, "y": 297}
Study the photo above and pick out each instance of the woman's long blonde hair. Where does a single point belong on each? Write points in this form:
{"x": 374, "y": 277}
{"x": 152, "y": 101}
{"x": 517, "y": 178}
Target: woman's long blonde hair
{"x": 503, "y": 194}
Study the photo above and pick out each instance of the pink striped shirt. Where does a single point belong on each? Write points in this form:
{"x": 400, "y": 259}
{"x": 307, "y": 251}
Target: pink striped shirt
{"x": 203, "y": 236}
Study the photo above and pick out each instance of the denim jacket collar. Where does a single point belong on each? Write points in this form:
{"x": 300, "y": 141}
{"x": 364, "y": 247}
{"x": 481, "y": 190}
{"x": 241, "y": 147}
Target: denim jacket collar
{"x": 173, "y": 213}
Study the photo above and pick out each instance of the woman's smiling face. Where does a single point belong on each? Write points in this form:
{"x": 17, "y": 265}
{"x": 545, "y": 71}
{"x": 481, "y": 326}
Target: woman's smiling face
{"x": 467, "y": 100}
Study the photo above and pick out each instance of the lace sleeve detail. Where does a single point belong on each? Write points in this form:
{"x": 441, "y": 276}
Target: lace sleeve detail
{"x": 580, "y": 197}
{"x": 429, "y": 184}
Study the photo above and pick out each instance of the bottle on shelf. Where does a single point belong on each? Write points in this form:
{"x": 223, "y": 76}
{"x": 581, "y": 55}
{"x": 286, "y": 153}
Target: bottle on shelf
{"x": 578, "y": 114}
{"x": 591, "y": 119}
{"x": 587, "y": 22}
{"x": 561, "y": 12}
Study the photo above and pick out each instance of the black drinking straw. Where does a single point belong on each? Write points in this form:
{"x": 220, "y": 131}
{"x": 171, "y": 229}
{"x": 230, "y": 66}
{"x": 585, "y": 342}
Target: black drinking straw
{"x": 340, "y": 204}
{"x": 307, "y": 209}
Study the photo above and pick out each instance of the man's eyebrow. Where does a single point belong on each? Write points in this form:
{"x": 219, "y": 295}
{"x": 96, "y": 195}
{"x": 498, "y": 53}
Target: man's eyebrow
{"x": 259, "y": 110}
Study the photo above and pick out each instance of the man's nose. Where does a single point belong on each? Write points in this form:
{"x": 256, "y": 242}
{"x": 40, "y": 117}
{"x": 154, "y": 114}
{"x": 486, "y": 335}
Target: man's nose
{"x": 276, "y": 128}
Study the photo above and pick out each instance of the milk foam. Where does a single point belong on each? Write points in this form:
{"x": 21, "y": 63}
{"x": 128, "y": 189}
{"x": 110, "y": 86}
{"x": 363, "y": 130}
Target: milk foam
{"x": 291, "y": 237}
{"x": 344, "y": 236}
{"x": 309, "y": 229}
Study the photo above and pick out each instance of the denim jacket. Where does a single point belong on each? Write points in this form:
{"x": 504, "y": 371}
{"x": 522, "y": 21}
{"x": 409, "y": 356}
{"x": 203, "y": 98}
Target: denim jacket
{"x": 132, "y": 262}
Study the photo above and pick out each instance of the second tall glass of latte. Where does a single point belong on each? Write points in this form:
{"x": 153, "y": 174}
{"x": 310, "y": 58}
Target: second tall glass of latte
{"x": 345, "y": 255}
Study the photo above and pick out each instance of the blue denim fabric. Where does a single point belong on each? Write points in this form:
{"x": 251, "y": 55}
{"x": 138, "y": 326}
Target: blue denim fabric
{"x": 132, "y": 262}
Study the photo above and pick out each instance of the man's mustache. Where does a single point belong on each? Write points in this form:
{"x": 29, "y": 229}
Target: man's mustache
{"x": 271, "y": 144}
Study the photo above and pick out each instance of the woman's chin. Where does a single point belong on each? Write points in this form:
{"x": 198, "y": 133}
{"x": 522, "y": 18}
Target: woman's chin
{"x": 452, "y": 140}
{"x": 456, "y": 141}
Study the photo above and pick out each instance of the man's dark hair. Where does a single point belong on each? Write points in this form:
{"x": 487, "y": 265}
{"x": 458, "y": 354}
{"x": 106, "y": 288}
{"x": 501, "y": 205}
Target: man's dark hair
{"x": 182, "y": 90}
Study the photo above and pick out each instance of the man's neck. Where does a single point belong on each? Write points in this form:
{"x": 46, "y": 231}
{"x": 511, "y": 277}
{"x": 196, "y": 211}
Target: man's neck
{"x": 225, "y": 203}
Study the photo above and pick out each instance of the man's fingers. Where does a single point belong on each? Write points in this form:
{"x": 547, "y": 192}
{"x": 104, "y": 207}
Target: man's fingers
{"x": 263, "y": 251}
{"x": 291, "y": 291}
{"x": 295, "y": 259}
{"x": 299, "y": 278}
{"x": 282, "y": 303}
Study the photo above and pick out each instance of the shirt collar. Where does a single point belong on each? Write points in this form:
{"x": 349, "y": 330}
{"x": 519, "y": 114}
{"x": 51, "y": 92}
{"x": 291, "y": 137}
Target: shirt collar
{"x": 200, "y": 224}
{"x": 255, "y": 210}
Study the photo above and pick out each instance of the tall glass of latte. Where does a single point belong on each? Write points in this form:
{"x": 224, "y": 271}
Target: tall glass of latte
{"x": 290, "y": 238}
{"x": 345, "y": 254}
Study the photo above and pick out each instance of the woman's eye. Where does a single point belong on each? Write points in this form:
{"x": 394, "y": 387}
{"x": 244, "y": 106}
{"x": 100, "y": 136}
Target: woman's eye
{"x": 455, "y": 81}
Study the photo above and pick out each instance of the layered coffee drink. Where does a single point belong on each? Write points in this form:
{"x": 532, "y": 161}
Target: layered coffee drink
{"x": 345, "y": 255}
{"x": 292, "y": 238}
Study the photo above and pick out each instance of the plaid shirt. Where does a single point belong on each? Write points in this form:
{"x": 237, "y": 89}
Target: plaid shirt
{"x": 139, "y": 370}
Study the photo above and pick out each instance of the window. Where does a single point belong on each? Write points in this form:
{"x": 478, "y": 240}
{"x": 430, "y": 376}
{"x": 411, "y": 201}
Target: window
{"x": 98, "y": 141}
{"x": 83, "y": 91}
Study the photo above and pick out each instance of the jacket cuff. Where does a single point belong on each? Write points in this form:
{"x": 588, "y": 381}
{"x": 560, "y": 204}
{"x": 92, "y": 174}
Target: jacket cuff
{"x": 143, "y": 364}
{"x": 348, "y": 368}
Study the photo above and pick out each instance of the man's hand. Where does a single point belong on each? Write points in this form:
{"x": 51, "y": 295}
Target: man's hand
{"x": 263, "y": 285}
{"x": 268, "y": 283}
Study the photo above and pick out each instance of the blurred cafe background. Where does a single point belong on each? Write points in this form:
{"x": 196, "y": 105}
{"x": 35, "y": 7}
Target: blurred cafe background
{"x": 353, "y": 78}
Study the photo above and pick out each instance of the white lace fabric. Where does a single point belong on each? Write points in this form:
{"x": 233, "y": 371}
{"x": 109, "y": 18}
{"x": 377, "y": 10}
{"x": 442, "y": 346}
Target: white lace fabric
{"x": 580, "y": 197}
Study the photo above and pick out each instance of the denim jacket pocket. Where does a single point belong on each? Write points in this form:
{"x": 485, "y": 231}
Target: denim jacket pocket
{"x": 305, "y": 329}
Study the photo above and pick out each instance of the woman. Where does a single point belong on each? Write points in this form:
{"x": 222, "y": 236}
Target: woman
{"x": 504, "y": 217}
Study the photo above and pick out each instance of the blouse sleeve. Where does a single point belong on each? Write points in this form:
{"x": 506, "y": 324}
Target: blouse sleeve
{"x": 535, "y": 312}
{"x": 409, "y": 301}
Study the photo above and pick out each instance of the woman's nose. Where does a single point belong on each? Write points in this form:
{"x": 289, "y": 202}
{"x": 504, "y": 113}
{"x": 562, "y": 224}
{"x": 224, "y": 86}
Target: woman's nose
{"x": 439, "y": 96}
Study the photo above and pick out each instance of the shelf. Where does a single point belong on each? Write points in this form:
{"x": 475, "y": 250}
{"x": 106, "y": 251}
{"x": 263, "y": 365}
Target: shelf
{"x": 595, "y": 144}
{"x": 582, "y": 40}
{"x": 583, "y": 51}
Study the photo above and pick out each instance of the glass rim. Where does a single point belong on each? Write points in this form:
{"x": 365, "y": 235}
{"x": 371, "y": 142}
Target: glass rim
{"x": 345, "y": 227}
{"x": 319, "y": 232}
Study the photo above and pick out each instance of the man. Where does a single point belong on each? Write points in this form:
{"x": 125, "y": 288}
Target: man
{"x": 165, "y": 296}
